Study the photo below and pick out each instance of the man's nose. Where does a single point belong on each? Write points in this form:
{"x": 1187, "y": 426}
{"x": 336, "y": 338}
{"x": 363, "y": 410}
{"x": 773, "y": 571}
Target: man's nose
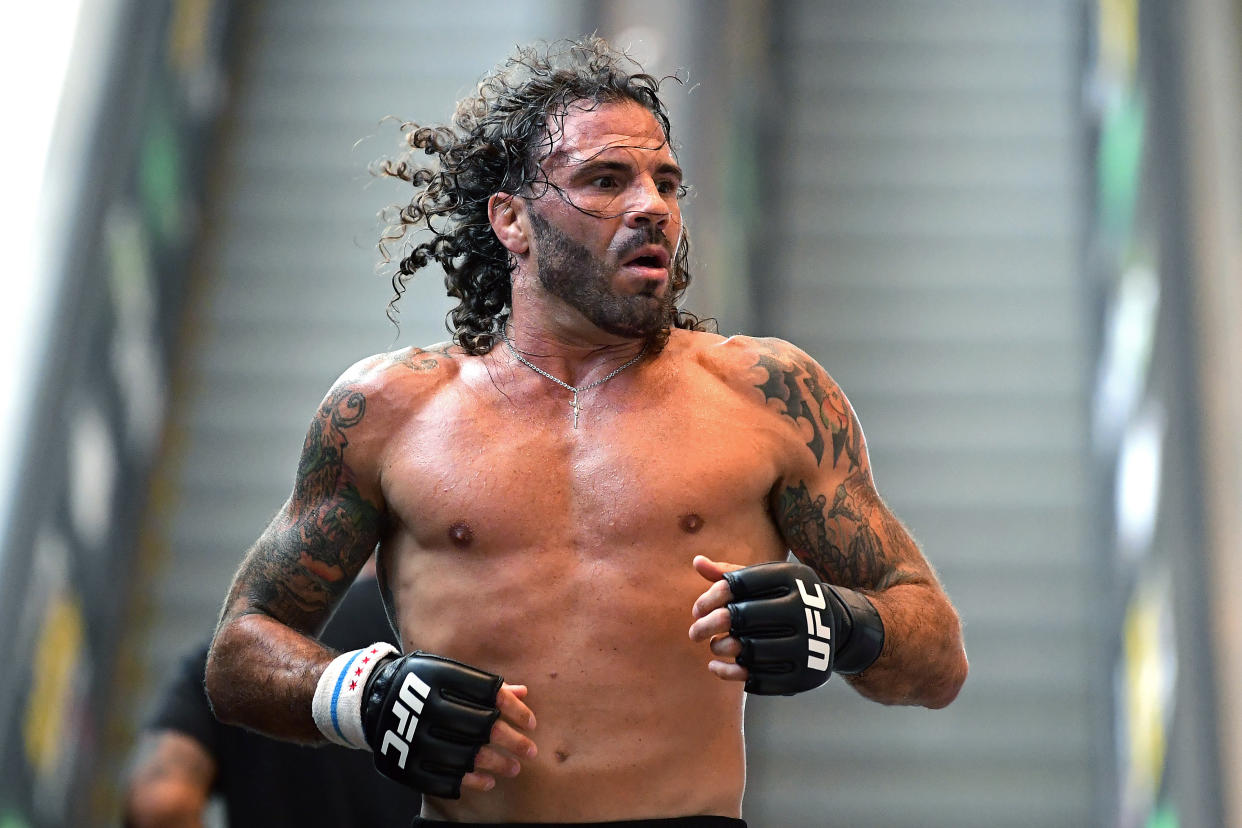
{"x": 648, "y": 206}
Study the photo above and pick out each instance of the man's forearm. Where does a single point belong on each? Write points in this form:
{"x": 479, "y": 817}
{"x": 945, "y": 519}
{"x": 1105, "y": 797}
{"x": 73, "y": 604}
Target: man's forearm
{"x": 262, "y": 674}
{"x": 924, "y": 661}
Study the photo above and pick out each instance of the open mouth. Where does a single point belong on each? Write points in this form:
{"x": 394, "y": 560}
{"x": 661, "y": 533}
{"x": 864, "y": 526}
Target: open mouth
{"x": 650, "y": 257}
{"x": 646, "y": 261}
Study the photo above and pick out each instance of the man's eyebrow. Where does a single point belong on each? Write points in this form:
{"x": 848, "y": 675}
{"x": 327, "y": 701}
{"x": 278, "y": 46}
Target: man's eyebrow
{"x": 598, "y": 165}
{"x": 669, "y": 168}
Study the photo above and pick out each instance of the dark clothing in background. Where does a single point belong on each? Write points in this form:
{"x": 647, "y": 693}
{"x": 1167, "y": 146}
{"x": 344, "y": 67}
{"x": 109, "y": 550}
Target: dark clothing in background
{"x": 265, "y": 782}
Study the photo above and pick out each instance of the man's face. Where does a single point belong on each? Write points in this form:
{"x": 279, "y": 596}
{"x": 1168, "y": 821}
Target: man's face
{"x": 606, "y": 231}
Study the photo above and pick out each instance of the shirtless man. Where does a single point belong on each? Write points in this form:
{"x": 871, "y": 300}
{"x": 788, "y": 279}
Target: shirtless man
{"x": 583, "y": 494}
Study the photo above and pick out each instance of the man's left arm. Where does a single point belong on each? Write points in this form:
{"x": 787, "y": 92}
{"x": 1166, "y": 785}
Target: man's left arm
{"x": 851, "y": 540}
{"x": 832, "y": 518}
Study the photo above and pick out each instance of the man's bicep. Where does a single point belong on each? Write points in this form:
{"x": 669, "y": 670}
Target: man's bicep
{"x": 826, "y": 506}
{"x": 845, "y": 532}
{"x": 309, "y": 554}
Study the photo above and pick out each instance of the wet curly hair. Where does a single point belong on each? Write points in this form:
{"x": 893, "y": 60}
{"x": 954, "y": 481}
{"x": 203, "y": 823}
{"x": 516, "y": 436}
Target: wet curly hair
{"x": 498, "y": 138}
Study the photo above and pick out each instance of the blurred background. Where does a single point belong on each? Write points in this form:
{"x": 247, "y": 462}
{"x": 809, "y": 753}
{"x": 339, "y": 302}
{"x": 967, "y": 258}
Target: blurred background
{"x": 1011, "y": 229}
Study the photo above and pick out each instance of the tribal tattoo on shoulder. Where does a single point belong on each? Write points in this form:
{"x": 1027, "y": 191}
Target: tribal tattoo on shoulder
{"x": 298, "y": 568}
{"x": 796, "y": 383}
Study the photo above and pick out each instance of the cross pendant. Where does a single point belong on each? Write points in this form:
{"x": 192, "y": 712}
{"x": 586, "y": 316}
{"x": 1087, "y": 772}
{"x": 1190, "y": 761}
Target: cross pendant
{"x": 577, "y": 408}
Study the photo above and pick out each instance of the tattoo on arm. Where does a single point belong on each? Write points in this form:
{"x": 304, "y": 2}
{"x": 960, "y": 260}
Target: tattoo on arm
{"x": 855, "y": 541}
{"x": 298, "y": 568}
{"x": 806, "y": 397}
{"x": 847, "y": 535}
{"x": 835, "y": 540}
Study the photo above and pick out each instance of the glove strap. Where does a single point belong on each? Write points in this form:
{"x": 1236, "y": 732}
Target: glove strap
{"x": 337, "y": 707}
{"x": 863, "y": 638}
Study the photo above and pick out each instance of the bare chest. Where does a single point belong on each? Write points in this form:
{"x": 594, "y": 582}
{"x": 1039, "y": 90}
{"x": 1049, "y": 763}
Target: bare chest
{"x": 478, "y": 479}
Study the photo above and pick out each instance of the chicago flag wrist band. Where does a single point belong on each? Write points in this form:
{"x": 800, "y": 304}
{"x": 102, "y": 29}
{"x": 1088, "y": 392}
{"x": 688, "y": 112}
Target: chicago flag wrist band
{"x": 337, "y": 707}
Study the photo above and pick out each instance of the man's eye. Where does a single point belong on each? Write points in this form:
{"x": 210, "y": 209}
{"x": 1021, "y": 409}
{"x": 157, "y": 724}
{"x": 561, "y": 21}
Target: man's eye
{"x": 669, "y": 188}
{"x": 604, "y": 182}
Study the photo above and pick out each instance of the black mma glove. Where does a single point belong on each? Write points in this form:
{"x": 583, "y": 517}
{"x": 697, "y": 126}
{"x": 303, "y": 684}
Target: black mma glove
{"x": 424, "y": 717}
{"x": 796, "y": 631}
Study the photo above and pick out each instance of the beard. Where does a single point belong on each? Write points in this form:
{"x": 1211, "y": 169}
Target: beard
{"x": 569, "y": 271}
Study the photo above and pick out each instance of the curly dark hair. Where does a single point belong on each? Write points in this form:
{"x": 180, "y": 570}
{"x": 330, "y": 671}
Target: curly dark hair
{"x": 497, "y": 141}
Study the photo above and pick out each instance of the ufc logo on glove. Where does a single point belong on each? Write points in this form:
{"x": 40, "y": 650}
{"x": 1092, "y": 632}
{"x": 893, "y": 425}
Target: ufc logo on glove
{"x": 772, "y": 604}
{"x": 375, "y": 699}
{"x": 819, "y": 634}
{"x": 406, "y": 708}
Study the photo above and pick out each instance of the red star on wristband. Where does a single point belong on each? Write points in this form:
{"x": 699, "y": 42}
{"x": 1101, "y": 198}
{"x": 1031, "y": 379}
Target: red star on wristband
{"x": 353, "y": 685}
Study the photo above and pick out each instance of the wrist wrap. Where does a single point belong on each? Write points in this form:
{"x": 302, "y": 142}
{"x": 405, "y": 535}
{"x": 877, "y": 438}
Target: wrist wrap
{"x": 863, "y": 637}
{"x": 795, "y": 631}
{"x": 337, "y": 707}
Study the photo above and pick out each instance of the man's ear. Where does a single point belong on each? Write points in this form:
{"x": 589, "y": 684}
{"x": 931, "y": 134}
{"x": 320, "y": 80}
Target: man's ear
{"x": 505, "y": 213}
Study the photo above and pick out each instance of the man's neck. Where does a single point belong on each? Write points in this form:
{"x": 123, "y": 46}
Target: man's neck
{"x": 576, "y": 355}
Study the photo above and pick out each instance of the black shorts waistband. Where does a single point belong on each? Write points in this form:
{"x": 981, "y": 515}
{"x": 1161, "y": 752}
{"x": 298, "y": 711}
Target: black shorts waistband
{"x": 675, "y": 822}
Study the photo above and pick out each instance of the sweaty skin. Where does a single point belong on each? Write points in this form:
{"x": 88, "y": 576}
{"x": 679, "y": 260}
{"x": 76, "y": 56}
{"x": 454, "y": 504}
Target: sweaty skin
{"x": 582, "y": 564}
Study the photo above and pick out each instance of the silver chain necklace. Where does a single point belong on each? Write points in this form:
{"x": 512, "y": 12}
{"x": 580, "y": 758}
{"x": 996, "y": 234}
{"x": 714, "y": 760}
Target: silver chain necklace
{"x": 575, "y": 405}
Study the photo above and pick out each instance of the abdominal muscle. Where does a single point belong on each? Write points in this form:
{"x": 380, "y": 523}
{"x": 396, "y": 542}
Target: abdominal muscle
{"x": 631, "y": 724}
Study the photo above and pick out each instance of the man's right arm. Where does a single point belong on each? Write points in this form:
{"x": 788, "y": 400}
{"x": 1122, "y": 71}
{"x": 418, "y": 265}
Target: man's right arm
{"x": 264, "y": 661}
{"x": 267, "y": 672}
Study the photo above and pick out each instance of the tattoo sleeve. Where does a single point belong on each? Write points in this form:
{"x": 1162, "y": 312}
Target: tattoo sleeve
{"x": 306, "y": 559}
{"x": 832, "y": 518}
{"x": 265, "y": 661}
{"x": 828, "y": 511}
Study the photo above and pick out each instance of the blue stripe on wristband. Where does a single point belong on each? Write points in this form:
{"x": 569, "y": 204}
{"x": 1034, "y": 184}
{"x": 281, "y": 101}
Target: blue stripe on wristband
{"x": 336, "y": 693}
{"x": 338, "y": 700}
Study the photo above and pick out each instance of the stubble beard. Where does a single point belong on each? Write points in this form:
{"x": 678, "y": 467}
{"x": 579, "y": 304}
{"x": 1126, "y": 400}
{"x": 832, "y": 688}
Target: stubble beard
{"x": 572, "y": 273}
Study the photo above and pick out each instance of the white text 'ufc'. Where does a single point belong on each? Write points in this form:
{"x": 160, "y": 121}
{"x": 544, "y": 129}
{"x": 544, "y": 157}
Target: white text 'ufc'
{"x": 819, "y": 636}
{"x": 413, "y": 693}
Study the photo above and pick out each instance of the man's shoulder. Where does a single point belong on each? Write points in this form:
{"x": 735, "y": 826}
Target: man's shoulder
{"x": 772, "y": 373}
{"x": 740, "y": 358}
{"x": 405, "y": 370}
{"x": 394, "y": 383}
{"x": 429, "y": 365}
